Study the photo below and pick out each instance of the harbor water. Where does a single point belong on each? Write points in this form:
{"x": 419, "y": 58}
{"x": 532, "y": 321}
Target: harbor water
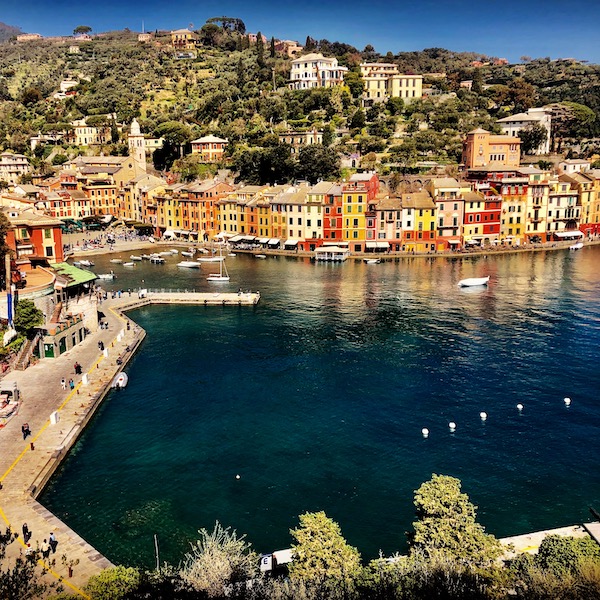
{"x": 317, "y": 396}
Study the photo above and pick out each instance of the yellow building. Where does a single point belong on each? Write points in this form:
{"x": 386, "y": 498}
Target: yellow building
{"x": 483, "y": 149}
{"x": 538, "y": 193}
{"x": 514, "y": 209}
{"x": 419, "y": 230}
{"x": 184, "y": 39}
{"x": 383, "y": 81}
{"x": 354, "y": 207}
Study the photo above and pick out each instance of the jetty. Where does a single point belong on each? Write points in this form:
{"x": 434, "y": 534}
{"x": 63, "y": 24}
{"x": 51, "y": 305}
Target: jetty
{"x": 57, "y": 417}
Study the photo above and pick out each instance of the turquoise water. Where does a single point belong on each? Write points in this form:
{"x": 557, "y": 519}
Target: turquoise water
{"x": 317, "y": 397}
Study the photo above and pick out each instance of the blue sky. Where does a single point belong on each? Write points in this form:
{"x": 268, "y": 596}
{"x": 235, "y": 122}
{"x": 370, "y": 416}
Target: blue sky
{"x": 509, "y": 28}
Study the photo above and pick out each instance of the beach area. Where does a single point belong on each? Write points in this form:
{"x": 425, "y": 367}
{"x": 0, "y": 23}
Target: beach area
{"x": 57, "y": 417}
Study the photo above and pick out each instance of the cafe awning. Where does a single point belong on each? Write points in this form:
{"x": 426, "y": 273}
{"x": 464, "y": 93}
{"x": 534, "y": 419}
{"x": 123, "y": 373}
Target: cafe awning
{"x": 263, "y": 241}
{"x": 236, "y": 238}
{"x": 575, "y": 233}
{"x": 274, "y": 242}
{"x": 290, "y": 242}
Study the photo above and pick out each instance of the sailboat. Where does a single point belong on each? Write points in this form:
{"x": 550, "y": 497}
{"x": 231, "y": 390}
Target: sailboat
{"x": 222, "y": 275}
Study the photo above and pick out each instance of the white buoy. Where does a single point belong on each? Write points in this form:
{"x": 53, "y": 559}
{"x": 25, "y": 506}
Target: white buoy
{"x": 519, "y": 407}
{"x": 483, "y": 416}
{"x": 452, "y": 425}
{"x": 237, "y": 476}
{"x": 425, "y": 431}
{"x": 568, "y": 401}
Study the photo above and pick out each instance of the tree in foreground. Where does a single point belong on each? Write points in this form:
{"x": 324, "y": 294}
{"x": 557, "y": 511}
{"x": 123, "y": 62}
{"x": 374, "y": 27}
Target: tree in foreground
{"x": 446, "y": 525}
{"x": 27, "y": 318}
{"x": 322, "y": 557}
{"x": 218, "y": 559}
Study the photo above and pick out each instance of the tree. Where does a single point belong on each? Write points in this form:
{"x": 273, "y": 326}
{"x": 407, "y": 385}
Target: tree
{"x": 570, "y": 120}
{"x": 27, "y": 318}
{"x": 532, "y": 137}
{"x": 521, "y": 94}
{"x": 82, "y": 30}
{"x": 310, "y": 44}
{"x": 217, "y": 559}
{"x": 113, "y": 584}
{"x": 358, "y": 120}
{"x": 446, "y": 525}
{"x": 317, "y": 162}
{"x": 272, "y": 50}
{"x": 322, "y": 557}
{"x": 355, "y": 83}
{"x": 260, "y": 51}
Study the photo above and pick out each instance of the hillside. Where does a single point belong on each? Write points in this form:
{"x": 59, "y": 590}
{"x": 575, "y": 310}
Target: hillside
{"x": 227, "y": 89}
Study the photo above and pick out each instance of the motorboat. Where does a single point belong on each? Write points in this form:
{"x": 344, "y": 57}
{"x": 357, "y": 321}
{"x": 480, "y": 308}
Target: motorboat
{"x": 120, "y": 381}
{"x": 203, "y": 251}
{"x": 173, "y": 251}
{"x": 116, "y": 261}
{"x": 190, "y": 264}
{"x": 86, "y": 263}
{"x": 260, "y": 256}
{"x": 577, "y": 246}
{"x": 129, "y": 264}
{"x": 157, "y": 260}
{"x": 188, "y": 254}
{"x": 110, "y": 275}
{"x": 232, "y": 254}
{"x": 474, "y": 281}
{"x": 136, "y": 258}
{"x": 372, "y": 261}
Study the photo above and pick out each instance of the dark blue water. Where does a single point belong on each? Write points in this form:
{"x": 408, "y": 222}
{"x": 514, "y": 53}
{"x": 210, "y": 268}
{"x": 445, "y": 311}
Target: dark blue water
{"x": 317, "y": 397}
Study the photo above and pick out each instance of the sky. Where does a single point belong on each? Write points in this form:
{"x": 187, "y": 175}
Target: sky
{"x": 506, "y": 29}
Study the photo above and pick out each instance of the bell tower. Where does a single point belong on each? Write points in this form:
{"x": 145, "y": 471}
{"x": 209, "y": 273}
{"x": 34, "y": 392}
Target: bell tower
{"x": 137, "y": 146}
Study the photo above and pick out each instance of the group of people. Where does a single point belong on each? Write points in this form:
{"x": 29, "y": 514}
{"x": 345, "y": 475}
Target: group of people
{"x": 48, "y": 545}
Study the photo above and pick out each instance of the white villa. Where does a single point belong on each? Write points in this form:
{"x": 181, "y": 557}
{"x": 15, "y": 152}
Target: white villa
{"x": 315, "y": 70}
{"x": 513, "y": 124}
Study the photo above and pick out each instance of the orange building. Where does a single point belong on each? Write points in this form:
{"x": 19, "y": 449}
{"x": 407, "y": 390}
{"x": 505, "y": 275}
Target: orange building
{"x": 483, "y": 149}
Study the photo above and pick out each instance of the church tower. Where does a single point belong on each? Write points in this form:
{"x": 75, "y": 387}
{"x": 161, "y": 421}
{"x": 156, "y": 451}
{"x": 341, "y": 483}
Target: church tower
{"x": 137, "y": 146}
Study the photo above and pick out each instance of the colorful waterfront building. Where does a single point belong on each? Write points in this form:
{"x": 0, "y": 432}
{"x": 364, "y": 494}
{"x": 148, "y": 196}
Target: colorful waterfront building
{"x": 583, "y": 182}
{"x": 419, "y": 231}
{"x": 538, "y": 192}
{"x": 514, "y": 192}
{"x": 231, "y": 209}
{"x": 564, "y": 211}
{"x": 387, "y": 209}
{"x": 448, "y": 195}
{"x": 360, "y": 190}
{"x": 333, "y": 229}
{"x": 200, "y": 208}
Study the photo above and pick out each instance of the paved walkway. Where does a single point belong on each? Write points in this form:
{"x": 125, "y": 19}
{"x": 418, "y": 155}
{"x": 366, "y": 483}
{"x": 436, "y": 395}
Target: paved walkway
{"x": 26, "y": 465}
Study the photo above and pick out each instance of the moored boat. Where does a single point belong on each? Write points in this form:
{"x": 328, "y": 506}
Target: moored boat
{"x": 110, "y": 275}
{"x": 577, "y": 246}
{"x": 120, "y": 381}
{"x": 260, "y": 256}
{"x": 135, "y": 257}
{"x": 189, "y": 264}
{"x": 474, "y": 281}
{"x": 129, "y": 264}
{"x": 372, "y": 261}
{"x": 116, "y": 261}
{"x": 86, "y": 263}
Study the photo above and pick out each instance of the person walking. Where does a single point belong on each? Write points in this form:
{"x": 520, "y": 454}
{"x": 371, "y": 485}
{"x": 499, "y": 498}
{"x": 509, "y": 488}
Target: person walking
{"x": 26, "y": 533}
{"x": 53, "y": 542}
{"x": 63, "y": 383}
{"x": 45, "y": 549}
{"x": 71, "y": 384}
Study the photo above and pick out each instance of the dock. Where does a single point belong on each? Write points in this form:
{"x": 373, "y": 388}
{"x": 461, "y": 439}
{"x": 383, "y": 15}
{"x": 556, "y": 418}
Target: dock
{"x": 146, "y": 297}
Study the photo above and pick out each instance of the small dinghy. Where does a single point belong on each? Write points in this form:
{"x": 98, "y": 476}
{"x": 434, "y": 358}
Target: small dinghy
{"x": 474, "y": 281}
{"x": 120, "y": 381}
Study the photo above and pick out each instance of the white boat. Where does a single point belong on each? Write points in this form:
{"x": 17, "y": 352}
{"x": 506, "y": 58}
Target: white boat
{"x": 260, "y": 256}
{"x": 173, "y": 251}
{"x": 211, "y": 259}
{"x": 203, "y": 250}
{"x": 136, "y": 258}
{"x": 86, "y": 263}
{"x": 129, "y": 264}
{"x": 222, "y": 275}
{"x": 372, "y": 261}
{"x": 120, "y": 381}
{"x": 110, "y": 275}
{"x": 577, "y": 246}
{"x": 116, "y": 261}
{"x": 190, "y": 264}
{"x": 157, "y": 260}
{"x": 188, "y": 254}
{"x": 474, "y": 281}
{"x": 169, "y": 253}
{"x": 232, "y": 254}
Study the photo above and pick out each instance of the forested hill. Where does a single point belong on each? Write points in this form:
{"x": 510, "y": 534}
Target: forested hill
{"x": 237, "y": 89}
